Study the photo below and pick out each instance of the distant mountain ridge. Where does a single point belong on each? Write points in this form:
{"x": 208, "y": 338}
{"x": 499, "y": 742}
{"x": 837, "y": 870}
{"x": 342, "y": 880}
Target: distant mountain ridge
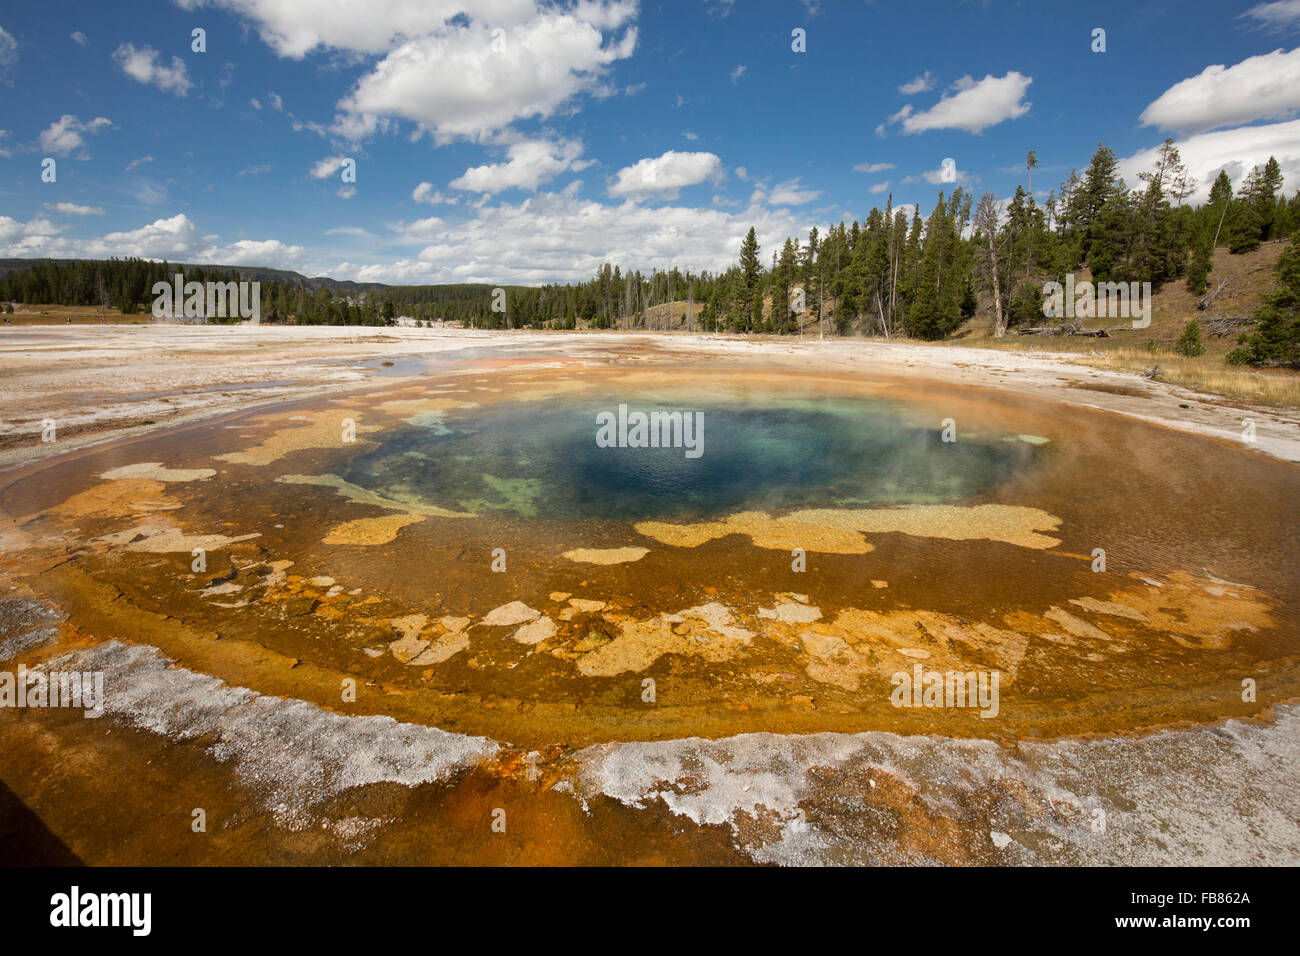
{"x": 10, "y": 267}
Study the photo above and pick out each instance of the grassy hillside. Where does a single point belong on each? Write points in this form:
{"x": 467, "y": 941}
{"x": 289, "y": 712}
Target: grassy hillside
{"x": 1150, "y": 351}
{"x": 1248, "y": 276}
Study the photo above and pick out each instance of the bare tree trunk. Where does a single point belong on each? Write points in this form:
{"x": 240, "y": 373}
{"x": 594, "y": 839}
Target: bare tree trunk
{"x": 1215, "y": 243}
{"x": 999, "y": 320}
{"x": 986, "y": 220}
{"x": 821, "y": 283}
{"x": 893, "y": 286}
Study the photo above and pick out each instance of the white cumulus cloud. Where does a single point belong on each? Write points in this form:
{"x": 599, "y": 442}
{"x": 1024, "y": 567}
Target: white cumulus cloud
{"x": 531, "y": 163}
{"x": 666, "y": 174}
{"x": 977, "y": 105}
{"x": 1257, "y": 88}
{"x": 72, "y": 209}
{"x": 145, "y": 65}
{"x": 471, "y": 79}
{"x": 270, "y": 253}
{"x": 175, "y": 238}
{"x": 25, "y": 238}
{"x": 163, "y": 238}
{"x": 327, "y": 167}
{"x": 936, "y": 176}
{"x": 919, "y": 84}
{"x": 294, "y": 28}
{"x": 789, "y": 193}
{"x": 426, "y": 193}
{"x": 64, "y": 137}
{"x": 1232, "y": 150}
{"x": 558, "y": 236}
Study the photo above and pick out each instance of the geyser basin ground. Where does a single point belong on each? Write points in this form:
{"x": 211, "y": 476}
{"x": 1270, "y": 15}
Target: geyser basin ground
{"x": 469, "y": 542}
{"x": 826, "y": 540}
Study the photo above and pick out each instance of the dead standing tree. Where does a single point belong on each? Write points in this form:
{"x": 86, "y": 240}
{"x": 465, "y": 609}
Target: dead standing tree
{"x": 986, "y": 221}
{"x": 103, "y": 298}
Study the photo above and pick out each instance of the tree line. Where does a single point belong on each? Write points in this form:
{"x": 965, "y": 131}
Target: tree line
{"x": 889, "y": 274}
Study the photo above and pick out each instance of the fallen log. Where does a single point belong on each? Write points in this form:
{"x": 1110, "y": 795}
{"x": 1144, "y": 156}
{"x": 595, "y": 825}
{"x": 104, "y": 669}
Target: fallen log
{"x": 1222, "y": 325}
{"x": 1204, "y": 301}
{"x": 1066, "y": 329}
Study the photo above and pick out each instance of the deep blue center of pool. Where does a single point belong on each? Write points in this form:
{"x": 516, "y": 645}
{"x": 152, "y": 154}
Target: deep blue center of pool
{"x": 541, "y": 459}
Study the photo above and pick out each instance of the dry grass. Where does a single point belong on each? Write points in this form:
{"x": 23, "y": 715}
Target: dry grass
{"x": 1172, "y": 307}
{"x": 1206, "y": 373}
{"x": 24, "y": 314}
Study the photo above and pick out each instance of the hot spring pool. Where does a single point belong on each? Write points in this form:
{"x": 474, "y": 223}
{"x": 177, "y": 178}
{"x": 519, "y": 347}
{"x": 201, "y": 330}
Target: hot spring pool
{"x": 466, "y": 545}
{"x": 543, "y": 461}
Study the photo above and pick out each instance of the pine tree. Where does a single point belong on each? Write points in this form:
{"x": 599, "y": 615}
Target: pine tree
{"x": 752, "y": 293}
{"x": 1189, "y": 343}
{"x": 1198, "y": 272}
{"x": 1220, "y": 200}
{"x": 1100, "y": 185}
{"x": 1221, "y": 191}
{"x": 783, "y": 278}
{"x": 927, "y": 318}
{"x": 809, "y": 274}
{"x": 1276, "y": 340}
{"x": 1270, "y": 185}
{"x": 1254, "y": 217}
{"x": 1245, "y": 224}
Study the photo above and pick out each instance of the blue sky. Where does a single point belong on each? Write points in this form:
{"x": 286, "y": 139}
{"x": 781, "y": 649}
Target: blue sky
{"x": 513, "y": 141}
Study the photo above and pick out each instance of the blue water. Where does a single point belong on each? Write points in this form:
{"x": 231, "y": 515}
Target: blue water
{"x": 541, "y": 460}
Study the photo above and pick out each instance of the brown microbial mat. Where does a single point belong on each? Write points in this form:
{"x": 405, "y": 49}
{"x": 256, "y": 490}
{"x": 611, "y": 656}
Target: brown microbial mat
{"x": 409, "y": 604}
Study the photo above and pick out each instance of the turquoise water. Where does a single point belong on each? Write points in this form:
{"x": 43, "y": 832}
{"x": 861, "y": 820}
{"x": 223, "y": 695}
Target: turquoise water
{"x": 541, "y": 460}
